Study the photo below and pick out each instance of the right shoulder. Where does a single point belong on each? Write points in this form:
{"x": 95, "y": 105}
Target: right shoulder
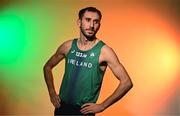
{"x": 67, "y": 43}
{"x": 65, "y": 47}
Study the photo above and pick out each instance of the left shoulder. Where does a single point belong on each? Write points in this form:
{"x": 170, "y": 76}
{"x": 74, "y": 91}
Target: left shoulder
{"x": 108, "y": 54}
{"x": 107, "y": 50}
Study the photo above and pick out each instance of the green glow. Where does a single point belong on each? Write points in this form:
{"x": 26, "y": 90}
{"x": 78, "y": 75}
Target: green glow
{"x": 12, "y": 36}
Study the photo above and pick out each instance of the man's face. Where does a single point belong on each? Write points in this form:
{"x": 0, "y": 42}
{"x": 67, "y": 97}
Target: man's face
{"x": 90, "y": 24}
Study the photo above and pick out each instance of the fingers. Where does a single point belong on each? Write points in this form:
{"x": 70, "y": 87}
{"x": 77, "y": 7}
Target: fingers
{"x": 86, "y": 110}
{"x": 56, "y": 101}
{"x": 86, "y": 104}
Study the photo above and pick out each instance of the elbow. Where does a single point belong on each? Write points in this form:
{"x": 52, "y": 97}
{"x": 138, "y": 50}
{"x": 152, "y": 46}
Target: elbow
{"x": 46, "y": 67}
{"x": 129, "y": 84}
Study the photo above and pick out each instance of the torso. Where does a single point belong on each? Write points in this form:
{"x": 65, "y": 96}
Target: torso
{"x": 83, "y": 72}
{"x": 102, "y": 63}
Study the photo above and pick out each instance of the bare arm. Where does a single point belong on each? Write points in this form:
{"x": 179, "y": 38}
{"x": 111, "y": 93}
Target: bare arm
{"x": 48, "y": 76}
{"x": 125, "y": 83}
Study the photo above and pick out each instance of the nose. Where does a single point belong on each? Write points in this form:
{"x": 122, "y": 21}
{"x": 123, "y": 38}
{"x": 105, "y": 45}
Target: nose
{"x": 92, "y": 24}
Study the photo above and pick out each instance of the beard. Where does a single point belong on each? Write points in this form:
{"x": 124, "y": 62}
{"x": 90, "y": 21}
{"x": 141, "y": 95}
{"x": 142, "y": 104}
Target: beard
{"x": 89, "y": 37}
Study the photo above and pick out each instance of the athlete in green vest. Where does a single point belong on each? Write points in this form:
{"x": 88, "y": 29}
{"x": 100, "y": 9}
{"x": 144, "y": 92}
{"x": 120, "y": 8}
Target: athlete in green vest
{"x": 86, "y": 60}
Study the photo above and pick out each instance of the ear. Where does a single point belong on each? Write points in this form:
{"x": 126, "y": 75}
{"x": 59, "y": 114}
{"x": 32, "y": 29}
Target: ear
{"x": 79, "y": 22}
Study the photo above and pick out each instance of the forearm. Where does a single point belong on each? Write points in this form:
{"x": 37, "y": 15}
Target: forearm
{"x": 120, "y": 91}
{"x": 49, "y": 79}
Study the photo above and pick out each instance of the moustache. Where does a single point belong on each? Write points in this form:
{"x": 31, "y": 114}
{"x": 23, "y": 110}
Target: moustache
{"x": 90, "y": 30}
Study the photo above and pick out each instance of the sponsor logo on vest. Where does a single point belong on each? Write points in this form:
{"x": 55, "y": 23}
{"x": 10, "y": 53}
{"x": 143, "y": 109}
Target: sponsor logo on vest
{"x": 79, "y": 63}
{"x": 79, "y": 54}
{"x": 92, "y": 54}
{"x": 72, "y": 51}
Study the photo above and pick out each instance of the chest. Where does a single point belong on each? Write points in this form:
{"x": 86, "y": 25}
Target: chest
{"x": 85, "y": 56}
{"x": 86, "y": 60}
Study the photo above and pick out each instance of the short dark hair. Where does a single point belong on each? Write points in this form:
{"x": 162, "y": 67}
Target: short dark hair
{"x": 91, "y": 9}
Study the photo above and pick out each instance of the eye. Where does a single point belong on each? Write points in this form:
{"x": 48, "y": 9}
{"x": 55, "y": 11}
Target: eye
{"x": 96, "y": 21}
{"x": 88, "y": 19}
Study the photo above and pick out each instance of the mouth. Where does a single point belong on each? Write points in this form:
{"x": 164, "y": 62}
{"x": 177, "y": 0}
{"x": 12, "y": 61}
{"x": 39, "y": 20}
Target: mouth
{"x": 90, "y": 31}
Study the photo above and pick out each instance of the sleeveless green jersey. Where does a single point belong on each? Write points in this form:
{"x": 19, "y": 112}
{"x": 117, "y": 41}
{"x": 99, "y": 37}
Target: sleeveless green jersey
{"x": 83, "y": 77}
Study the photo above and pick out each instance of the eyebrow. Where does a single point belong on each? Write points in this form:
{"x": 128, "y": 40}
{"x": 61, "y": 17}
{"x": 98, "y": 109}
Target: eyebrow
{"x": 96, "y": 20}
{"x": 87, "y": 18}
{"x": 91, "y": 18}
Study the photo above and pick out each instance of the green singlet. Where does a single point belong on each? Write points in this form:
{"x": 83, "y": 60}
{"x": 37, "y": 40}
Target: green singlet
{"x": 83, "y": 77}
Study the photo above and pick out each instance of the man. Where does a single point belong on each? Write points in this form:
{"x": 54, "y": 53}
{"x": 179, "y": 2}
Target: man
{"x": 86, "y": 60}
